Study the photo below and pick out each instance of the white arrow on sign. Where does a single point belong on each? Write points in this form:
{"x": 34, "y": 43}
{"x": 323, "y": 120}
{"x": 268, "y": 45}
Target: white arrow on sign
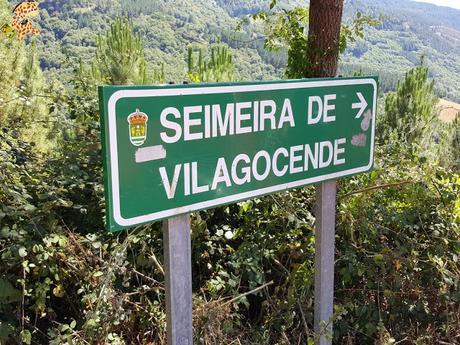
{"x": 361, "y": 105}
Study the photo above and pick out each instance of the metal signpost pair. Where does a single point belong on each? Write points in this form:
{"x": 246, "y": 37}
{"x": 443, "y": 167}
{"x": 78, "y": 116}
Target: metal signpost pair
{"x": 171, "y": 150}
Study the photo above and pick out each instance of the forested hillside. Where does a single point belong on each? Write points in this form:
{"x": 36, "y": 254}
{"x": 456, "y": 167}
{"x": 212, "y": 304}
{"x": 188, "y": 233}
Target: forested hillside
{"x": 167, "y": 28}
{"x": 408, "y": 31}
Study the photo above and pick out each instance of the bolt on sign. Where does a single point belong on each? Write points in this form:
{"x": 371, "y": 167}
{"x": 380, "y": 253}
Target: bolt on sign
{"x": 170, "y": 150}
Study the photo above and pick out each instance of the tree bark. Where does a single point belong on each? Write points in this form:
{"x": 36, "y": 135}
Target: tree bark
{"x": 323, "y": 38}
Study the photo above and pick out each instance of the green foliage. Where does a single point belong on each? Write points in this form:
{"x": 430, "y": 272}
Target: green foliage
{"x": 455, "y": 141}
{"x": 70, "y": 29}
{"x": 288, "y": 28}
{"x": 26, "y": 207}
{"x": 217, "y": 66}
{"x": 410, "y": 110}
{"x": 409, "y": 118}
{"x": 60, "y": 270}
{"x": 396, "y": 45}
{"x": 440, "y": 143}
{"x": 24, "y": 98}
{"x": 350, "y": 33}
{"x": 72, "y": 284}
{"x": 120, "y": 55}
{"x": 254, "y": 242}
{"x": 399, "y": 252}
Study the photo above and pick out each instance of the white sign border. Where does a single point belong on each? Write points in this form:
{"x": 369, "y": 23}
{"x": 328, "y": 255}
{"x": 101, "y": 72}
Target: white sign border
{"x": 113, "y": 149}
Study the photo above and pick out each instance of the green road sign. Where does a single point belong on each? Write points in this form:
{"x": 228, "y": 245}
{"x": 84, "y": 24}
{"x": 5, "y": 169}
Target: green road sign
{"x": 175, "y": 149}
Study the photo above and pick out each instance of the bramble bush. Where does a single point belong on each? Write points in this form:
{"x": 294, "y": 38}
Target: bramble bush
{"x": 397, "y": 266}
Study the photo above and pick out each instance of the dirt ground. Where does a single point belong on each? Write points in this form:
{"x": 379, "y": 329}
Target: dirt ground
{"x": 448, "y": 110}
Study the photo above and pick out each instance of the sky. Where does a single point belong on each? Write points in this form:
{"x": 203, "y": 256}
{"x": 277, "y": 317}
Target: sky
{"x": 449, "y": 3}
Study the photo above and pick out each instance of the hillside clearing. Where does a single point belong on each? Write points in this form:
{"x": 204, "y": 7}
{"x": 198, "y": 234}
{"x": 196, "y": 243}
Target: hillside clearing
{"x": 448, "y": 110}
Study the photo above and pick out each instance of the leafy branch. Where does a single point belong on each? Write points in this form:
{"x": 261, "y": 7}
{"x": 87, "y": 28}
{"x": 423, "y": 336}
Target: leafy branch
{"x": 288, "y": 29}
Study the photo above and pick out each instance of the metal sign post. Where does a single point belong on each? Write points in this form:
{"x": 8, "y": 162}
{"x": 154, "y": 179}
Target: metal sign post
{"x": 324, "y": 261}
{"x": 178, "y": 276}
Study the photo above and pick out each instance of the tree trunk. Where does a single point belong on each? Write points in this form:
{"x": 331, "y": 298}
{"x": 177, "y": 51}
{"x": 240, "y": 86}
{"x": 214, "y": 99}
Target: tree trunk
{"x": 323, "y": 37}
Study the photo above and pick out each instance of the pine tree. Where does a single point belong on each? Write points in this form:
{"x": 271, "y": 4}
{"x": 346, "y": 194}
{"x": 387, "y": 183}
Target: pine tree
{"x": 33, "y": 111}
{"x": 410, "y": 109}
{"x": 12, "y": 58}
{"x": 120, "y": 58}
{"x": 216, "y": 67}
{"x": 455, "y": 141}
{"x": 23, "y": 104}
{"x": 120, "y": 55}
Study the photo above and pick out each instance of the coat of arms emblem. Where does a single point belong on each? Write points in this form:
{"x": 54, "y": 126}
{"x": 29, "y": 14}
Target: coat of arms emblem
{"x": 137, "y": 127}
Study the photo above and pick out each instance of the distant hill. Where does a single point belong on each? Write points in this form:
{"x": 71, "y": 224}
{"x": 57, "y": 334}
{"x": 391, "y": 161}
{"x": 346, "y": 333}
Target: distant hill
{"x": 424, "y": 13}
{"x": 69, "y": 29}
{"x": 409, "y": 30}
